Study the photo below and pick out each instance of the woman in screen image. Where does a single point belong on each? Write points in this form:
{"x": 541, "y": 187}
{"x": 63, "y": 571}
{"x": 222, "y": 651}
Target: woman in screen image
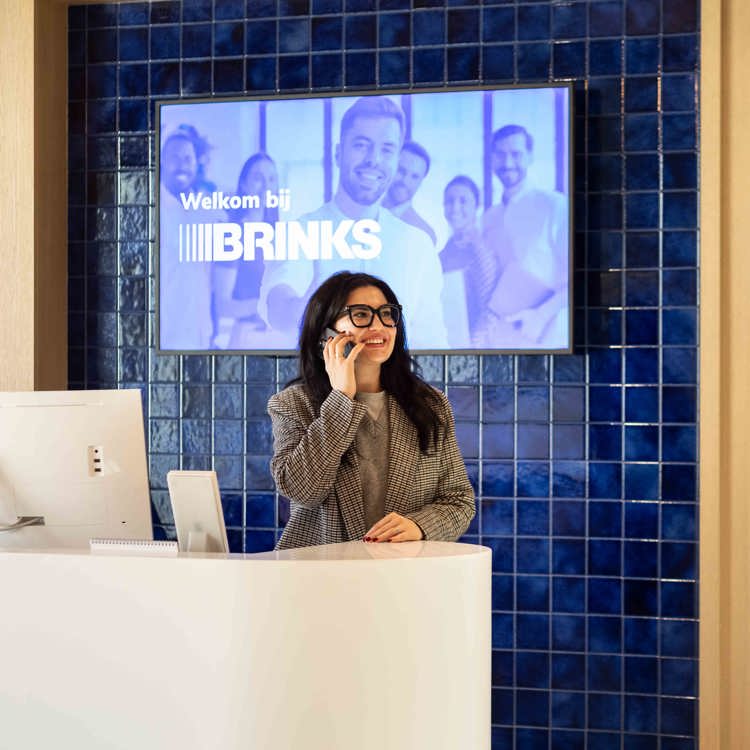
{"x": 469, "y": 271}
{"x": 363, "y": 447}
{"x": 237, "y": 287}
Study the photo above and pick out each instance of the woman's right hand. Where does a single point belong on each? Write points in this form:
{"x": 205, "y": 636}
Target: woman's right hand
{"x": 340, "y": 369}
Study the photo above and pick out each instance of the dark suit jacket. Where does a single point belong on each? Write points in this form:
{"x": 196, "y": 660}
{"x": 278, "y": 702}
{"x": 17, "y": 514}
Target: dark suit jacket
{"x": 315, "y": 466}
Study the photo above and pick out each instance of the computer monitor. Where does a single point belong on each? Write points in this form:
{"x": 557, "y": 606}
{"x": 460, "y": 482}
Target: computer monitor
{"x": 196, "y": 507}
{"x": 72, "y": 467}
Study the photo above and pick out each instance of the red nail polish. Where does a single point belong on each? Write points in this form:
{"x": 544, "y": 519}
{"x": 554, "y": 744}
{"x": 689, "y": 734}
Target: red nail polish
{"x": 374, "y": 539}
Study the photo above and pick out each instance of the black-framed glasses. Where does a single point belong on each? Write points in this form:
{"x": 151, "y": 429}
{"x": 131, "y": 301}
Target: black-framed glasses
{"x": 362, "y": 316}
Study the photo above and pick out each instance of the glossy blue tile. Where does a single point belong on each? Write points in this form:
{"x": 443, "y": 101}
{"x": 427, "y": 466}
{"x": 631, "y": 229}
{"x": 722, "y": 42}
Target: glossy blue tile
{"x": 294, "y": 7}
{"x": 498, "y": 517}
{"x": 533, "y": 60}
{"x": 502, "y": 592}
{"x": 604, "y": 673}
{"x": 604, "y": 557}
{"x": 605, "y": 480}
{"x": 497, "y": 441}
{"x": 679, "y": 326}
{"x": 569, "y": 594}
{"x": 678, "y": 638}
{"x": 260, "y": 37}
{"x": 502, "y": 554}
{"x": 605, "y": 634}
{"x": 228, "y": 9}
{"x": 568, "y": 556}
{"x": 259, "y": 541}
{"x": 428, "y": 27}
{"x": 605, "y": 442}
{"x": 568, "y": 709}
{"x": 679, "y": 443}
{"x": 463, "y": 26}
{"x": 502, "y": 668}
{"x": 605, "y": 288}
{"x": 642, "y": 55}
{"x": 679, "y": 93}
{"x": 569, "y": 442}
{"x": 532, "y": 479}
{"x": 569, "y": 59}
{"x": 165, "y": 44}
{"x": 502, "y": 631}
{"x": 428, "y": 65}
{"x": 165, "y": 12}
{"x": 641, "y": 443}
{"x": 642, "y": 17}
{"x": 568, "y": 672}
{"x": 605, "y": 211}
{"x": 679, "y": 132}
{"x": 641, "y": 598}
{"x": 678, "y": 560}
{"x": 568, "y": 632}
{"x": 641, "y": 327}
{"x": 532, "y": 669}
{"x": 641, "y": 481}
{"x": 294, "y": 71}
{"x": 677, "y": 716}
{"x": 360, "y": 31}
{"x": 568, "y": 518}
{"x": 497, "y": 479}
{"x": 604, "y": 711}
{"x": 532, "y": 555}
{"x": 228, "y": 76}
{"x": 642, "y": 288}
{"x": 642, "y": 210}
{"x": 641, "y": 713}
{"x": 604, "y": 133}
{"x": 569, "y": 20}
{"x": 532, "y": 708}
{"x": 532, "y": 593}
{"x": 532, "y": 441}
{"x": 679, "y": 521}
{"x": 196, "y": 77}
{"x": 463, "y": 63}
{"x": 294, "y": 35}
{"x": 680, "y": 16}
{"x": 641, "y": 638}
{"x": 326, "y": 33}
{"x": 502, "y": 708}
{"x": 679, "y": 677}
{"x": 641, "y": 560}
{"x": 680, "y": 53}
{"x": 642, "y": 132}
{"x": 394, "y": 67}
{"x": 679, "y": 404}
{"x": 605, "y": 518}
{"x": 604, "y": 596}
{"x": 532, "y": 631}
{"x": 498, "y": 24}
{"x": 605, "y": 57}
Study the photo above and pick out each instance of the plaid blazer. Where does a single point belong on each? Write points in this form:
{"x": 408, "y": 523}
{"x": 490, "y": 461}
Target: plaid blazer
{"x": 315, "y": 466}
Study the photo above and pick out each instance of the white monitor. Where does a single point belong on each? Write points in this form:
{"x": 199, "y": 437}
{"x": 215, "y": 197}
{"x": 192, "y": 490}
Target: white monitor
{"x": 196, "y": 507}
{"x": 77, "y": 460}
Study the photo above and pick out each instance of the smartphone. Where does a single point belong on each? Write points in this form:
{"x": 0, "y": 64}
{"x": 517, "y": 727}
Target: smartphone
{"x": 330, "y": 333}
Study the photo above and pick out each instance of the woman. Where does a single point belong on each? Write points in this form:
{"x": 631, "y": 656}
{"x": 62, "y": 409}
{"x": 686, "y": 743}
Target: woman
{"x": 237, "y": 287}
{"x": 463, "y": 253}
{"x": 363, "y": 447}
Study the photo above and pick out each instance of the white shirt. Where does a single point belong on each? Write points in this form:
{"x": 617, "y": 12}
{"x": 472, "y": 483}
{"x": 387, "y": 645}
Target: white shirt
{"x": 185, "y": 321}
{"x": 407, "y": 263}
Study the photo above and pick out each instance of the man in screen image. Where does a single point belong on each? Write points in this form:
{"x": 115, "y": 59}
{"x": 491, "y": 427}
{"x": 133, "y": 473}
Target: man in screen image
{"x": 367, "y": 155}
{"x": 185, "y": 318}
{"x": 527, "y": 232}
{"x": 413, "y": 166}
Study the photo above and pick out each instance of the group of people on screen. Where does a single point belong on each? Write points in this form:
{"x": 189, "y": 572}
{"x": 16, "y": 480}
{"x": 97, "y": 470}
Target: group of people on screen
{"x": 499, "y": 281}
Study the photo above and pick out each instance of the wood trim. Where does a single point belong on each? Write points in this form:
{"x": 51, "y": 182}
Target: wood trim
{"x": 725, "y": 364}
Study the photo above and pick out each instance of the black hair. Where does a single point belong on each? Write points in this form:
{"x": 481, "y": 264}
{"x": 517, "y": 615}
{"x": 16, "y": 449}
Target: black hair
{"x": 399, "y": 375}
{"x": 270, "y": 215}
{"x": 420, "y": 151}
{"x": 467, "y": 182}
{"x": 372, "y": 106}
{"x": 509, "y": 130}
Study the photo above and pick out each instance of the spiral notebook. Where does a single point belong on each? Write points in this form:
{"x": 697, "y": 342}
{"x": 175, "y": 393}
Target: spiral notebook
{"x": 135, "y": 546}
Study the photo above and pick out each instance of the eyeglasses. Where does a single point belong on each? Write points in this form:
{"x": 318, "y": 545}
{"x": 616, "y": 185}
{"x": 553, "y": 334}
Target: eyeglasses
{"x": 362, "y": 316}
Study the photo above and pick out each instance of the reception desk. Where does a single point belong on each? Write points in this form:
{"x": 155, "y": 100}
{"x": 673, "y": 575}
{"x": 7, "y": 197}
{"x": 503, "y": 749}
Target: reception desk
{"x": 348, "y": 646}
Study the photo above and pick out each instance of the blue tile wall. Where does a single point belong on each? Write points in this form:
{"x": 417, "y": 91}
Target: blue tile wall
{"x": 585, "y": 465}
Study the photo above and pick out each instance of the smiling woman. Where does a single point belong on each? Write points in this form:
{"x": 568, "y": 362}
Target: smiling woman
{"x": 363, "y": 447}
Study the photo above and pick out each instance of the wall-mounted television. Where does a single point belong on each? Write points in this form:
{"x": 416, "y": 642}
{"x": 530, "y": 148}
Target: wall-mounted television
{"x": 459, "y": 198}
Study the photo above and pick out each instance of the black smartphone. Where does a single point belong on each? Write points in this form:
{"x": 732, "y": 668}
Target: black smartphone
{"x": 329, "y": 333}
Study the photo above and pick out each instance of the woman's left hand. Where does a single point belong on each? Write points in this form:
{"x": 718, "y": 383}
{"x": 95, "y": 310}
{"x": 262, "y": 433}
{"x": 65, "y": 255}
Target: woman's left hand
{"x": 394, "y": 528}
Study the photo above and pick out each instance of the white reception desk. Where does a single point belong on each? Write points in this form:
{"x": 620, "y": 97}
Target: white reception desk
{"x": 342, "y": 647}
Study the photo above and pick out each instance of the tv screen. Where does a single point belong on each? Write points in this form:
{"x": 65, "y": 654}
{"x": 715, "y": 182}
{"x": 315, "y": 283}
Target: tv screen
{"x": 460, "y": 199}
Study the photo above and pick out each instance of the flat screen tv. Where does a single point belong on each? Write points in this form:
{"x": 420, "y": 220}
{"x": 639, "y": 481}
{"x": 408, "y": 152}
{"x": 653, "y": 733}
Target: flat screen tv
{"x": 460, "y": 199}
